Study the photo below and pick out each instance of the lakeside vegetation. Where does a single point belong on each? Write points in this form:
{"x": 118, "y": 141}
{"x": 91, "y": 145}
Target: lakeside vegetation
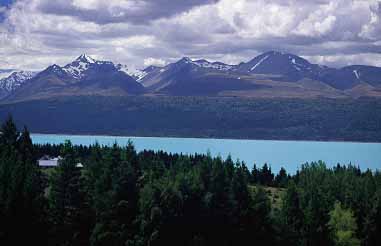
{"x": 125, "y": 197}
{"x": 211, "y": 117}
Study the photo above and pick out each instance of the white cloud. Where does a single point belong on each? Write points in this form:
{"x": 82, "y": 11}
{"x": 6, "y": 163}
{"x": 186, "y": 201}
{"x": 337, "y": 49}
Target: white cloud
{"x": 345, "y": 60}
{"x": 316, "y": 26}
{"x": 37, "y": 33}
{"x": 141, "y": 41}
{"x": 372, "y": 29}
{"x": 258, "y": 19}
{"x": 154, "y": 61}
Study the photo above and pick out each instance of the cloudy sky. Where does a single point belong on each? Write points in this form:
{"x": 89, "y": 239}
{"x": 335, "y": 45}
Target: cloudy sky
{"x": 37, "y": 33}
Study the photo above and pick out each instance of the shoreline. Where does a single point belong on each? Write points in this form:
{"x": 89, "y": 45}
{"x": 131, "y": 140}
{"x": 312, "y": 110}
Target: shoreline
{"x": 205, "y": 138}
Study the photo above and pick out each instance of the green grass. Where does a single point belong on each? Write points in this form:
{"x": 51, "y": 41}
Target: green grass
{"x": 47, "y": 171}
{"x": 275, "y": 195}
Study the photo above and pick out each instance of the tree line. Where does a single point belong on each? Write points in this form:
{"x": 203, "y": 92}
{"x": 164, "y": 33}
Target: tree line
{"x": 125, "y": 197}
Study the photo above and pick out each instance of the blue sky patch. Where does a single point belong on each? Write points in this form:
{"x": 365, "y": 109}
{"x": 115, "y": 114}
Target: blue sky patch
{"x": 5, "y": 2}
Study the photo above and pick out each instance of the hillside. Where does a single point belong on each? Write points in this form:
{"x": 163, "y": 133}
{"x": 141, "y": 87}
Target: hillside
{"x": 247, "y": 118}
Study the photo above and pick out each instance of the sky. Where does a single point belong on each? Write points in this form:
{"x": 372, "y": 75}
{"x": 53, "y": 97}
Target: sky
{"x": 37, "y": 33}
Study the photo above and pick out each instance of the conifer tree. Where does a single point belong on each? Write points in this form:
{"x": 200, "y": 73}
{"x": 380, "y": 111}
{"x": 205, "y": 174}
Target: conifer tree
{"x": 343, "y": 226}
{"x": 65, "y": 199}
{"x": 22, "y": 199}
{"x": 292, "y": 214}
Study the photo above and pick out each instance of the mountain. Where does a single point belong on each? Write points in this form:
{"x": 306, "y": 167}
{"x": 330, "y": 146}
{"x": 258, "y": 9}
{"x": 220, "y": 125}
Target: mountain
{"x": 213, "y": 65}
{"x": 6, "y": 72}
{"x": 14, "y": 81}
{"x": 197, "y": 78}
{"x": 77, "y": 69}
{"x": 137, "y": 74}
{"x": 292, "y": 68}
{"x": 83, "y": 76}
{"x": 263, "y": 76}
{"x": 269, "y": 75}
{"x": 367, "y": 74}
{"x": 288, "y": 67}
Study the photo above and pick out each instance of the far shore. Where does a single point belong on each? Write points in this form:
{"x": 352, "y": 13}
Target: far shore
{"x": 204, "y": 138}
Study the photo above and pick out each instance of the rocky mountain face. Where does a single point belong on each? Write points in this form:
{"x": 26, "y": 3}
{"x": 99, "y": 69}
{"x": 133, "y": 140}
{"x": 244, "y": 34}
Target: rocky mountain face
{"x": 14, "y": 81}
{"x": 271, "y": 74}
{"x": 83, "y": 76}
{"x": 198, "y": 78}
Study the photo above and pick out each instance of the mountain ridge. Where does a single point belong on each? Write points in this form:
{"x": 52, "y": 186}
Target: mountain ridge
{"x": 271, "y": 74}
{"x": 83, "y": 76}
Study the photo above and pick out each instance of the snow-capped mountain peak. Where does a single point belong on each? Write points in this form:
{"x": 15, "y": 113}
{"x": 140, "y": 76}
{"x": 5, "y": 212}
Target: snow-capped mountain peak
{"x": 214, "y": 65}
{"x": 79, "y": 66}
{"x": 184, "y": 60}
{"x": 277, "y": 63}
{"x": 15, "y": 80}
{"x": 86, "y": 58}
{"x": 204, "y": 64}
{"x": 137, "y": 74}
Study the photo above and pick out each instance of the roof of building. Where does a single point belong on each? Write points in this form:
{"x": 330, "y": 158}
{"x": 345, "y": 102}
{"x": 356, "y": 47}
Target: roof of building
{"x": 48, "y": 163}
{"x": 54, "y": 162}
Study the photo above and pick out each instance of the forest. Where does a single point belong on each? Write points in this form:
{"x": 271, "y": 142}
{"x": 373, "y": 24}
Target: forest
{"x": 210, "y": 117}
{"x": 130, "y": 198}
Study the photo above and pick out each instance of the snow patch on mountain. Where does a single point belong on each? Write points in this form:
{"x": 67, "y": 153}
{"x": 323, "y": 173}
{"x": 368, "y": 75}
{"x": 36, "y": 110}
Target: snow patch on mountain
{"x": 80, "y": 65}
{"x": 299, "y": 66}
{"x": 137, "y": 74}
{"x": 259, "y": 63}
{"x": 15, "y": 80}
{"x": 87, "y": 59}
{"x": 356, "y": 74}
{"x": 214, "y": 65}
{"x": 76, "y": 71}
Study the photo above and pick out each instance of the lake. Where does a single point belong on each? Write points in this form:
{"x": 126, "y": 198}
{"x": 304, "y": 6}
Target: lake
{"x": 289, "y": 154}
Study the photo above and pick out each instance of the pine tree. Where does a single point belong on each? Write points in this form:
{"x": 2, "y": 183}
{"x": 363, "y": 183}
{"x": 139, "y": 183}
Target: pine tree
{"x": 343, "y": 226}
{"x": 266, "y": 176}
{"x": 372, "y": 227}
{"x": 9, "y": 133}
{"x": 292, "y": 214}
{"x": 22, "y": 199}
{"x": 255, "y": 175}
{"x": 116, "y": 198}
{"x": 281, "y": 178}
{"x": 65, "y": 199}
{"x": 262, "y": 232}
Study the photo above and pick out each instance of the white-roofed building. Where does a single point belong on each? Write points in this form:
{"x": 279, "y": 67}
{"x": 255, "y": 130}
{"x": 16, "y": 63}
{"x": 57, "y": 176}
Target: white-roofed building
{"x": 47, "y": 162}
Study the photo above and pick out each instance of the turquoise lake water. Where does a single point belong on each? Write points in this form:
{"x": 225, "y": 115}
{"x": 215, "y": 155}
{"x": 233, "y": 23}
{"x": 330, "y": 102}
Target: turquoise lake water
{"x": 289, "y": 154}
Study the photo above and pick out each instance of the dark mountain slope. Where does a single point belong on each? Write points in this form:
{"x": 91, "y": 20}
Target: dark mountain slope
{"x": 187, "y": 77}
{"x": 84, "y": 76}
{"x": 297, "y": 119}
{"x": 272, "y": 74}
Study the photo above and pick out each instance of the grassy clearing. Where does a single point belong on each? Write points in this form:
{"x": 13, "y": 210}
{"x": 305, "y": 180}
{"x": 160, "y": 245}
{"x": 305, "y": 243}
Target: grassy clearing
{"x": 275, "y": 195}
